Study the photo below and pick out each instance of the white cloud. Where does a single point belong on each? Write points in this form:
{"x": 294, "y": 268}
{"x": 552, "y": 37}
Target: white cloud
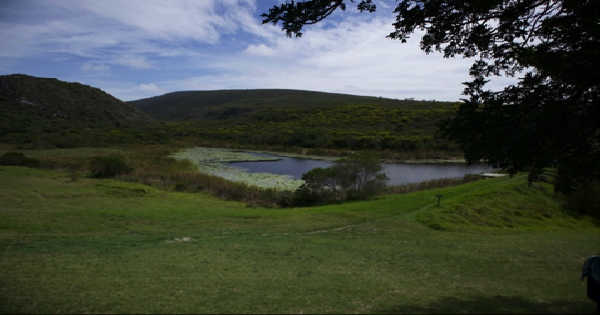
{"x": 260, "y": 50}
{"x": 165, "y": 20}
{"x": 151, "y": 87}
{"x": 221, "y": 44}
{"x": 386, "y": 6}
{"x": 353, "y": 58}
{"x": 104, "y": 29}
{"x": 134, "y": 62}
{"x": 95, "y": 68}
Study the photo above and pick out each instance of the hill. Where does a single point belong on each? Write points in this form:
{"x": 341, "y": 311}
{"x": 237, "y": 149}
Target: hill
{"x": 33, "y": 107}
{"x": 48, "y": 113}
{"x": 222, "y": 104}
{"x": 306, "y": 119}
{"x": 30, "y": 103}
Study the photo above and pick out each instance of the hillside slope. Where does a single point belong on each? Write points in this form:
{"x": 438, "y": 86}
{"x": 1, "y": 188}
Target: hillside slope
{"x": 281, "y": 119}
{"x": 209, "y": 105}
{"x": 30, "y": 104}
{"x": 128, "y": 248}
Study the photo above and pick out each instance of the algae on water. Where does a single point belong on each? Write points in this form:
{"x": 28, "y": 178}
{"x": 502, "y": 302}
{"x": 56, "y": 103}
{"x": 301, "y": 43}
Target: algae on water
{"x": 215, "y": 161}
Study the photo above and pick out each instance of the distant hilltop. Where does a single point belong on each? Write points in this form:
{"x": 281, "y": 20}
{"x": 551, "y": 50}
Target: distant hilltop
{"x": 201, "y": 105}
{"x": 30, "y": 104}
{"x": 49, "y": 113}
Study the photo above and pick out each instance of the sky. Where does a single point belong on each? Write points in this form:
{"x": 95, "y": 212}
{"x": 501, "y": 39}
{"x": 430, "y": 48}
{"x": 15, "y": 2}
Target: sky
{"x": 137, "y": 49}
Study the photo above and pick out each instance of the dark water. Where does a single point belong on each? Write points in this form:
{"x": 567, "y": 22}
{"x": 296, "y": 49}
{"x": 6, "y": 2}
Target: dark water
{"x": 399, "y": 173}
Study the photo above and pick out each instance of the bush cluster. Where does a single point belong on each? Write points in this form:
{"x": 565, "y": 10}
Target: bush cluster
{"x": 585, "y": 201}
{"x": 102, "y": 166}
{"x": 18, "y": 159}
{"x": 357, "y": 177}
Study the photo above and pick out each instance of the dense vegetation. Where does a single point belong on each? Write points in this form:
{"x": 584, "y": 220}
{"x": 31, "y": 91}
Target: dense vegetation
{"x": 301, "y": 119}
{"x": 224, "y": 104}
{"x": 18, "y": 159}
{"x": 108, "y": 166}
{"x": 154, "y": 166}
{"x": 355, "y": 127}
{"x": 552, "y": 45}
{"x": 357, "y": 177}
{"x": 48, "y": 113}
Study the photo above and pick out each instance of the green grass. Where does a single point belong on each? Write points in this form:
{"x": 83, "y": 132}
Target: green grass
{"x": 508, "y": 206}
{"x": 102, "y": 246}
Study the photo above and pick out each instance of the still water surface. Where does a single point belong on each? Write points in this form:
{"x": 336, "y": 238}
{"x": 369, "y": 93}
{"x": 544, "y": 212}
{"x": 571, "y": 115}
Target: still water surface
{"x": 399, "y": 173}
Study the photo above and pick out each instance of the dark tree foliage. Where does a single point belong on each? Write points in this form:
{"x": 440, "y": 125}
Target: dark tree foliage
{"x": 18, "y": 159}
{"x": 294, "y": 15}
{"x": 359, "y": 176}
{"x": 102, "y": 166}
{"x": 549, "y": 122}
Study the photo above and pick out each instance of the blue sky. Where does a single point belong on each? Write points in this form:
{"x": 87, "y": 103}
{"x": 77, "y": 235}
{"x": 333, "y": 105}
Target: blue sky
{"x": 142, "y": 48}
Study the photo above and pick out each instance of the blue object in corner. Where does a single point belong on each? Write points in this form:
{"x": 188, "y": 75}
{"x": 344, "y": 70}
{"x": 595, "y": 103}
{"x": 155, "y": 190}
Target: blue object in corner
{"x": 591, "y": 268}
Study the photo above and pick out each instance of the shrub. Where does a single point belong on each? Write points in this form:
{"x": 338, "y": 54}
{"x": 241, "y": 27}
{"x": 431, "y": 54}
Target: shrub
{"x": 18, "y": 159}
{"x": 108, "y": 166}
{"x": 181, "y": 186}
{"x": 357, "y": 177}
{"x": 585, "y": 201}
{"x": 305, "y": 197}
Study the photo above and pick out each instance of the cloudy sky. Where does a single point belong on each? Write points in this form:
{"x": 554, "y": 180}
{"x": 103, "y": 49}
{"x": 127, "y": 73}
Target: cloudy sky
{"x": 142, "y": 48}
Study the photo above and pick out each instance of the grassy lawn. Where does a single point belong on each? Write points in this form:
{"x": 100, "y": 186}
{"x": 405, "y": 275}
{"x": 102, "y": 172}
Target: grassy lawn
{"x": 102, "y": 246}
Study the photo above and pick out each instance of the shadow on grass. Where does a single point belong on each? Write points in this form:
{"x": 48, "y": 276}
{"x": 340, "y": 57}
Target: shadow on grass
{"x": 493, "y": 305}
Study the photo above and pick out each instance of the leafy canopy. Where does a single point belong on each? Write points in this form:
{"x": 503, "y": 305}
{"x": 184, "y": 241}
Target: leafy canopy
{"x": 549, "y": 122}
{"x": 359, "y": 176}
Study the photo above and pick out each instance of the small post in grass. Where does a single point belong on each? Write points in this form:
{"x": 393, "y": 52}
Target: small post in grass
{"x": 439, "y": 197}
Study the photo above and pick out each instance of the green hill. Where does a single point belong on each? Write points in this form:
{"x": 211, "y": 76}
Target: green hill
{"x": 209, "y": 105}
{"x": 293, "y": 118}
{"x": 32, "y": 103}
{"x": 48, "y": 113}
{"x": 35, "y": 108}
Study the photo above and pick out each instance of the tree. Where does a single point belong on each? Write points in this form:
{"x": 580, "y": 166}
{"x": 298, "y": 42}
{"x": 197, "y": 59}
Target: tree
{"x": 359, "y": 176}
{"x": 549, "y": 122}
{"x": 320, "y": 185}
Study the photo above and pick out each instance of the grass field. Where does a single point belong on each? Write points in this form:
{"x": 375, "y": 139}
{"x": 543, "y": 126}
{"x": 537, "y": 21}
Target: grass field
{"x": 81, "y": 245}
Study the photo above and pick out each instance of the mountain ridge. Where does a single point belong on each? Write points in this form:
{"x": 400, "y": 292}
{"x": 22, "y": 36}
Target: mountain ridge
{"x": 203, "y": 104}
{"x": 55, "y": 113}
{"x": 49, "y": 113}
{"x": 31, "y": 102}
{"x": 307, "y": 119}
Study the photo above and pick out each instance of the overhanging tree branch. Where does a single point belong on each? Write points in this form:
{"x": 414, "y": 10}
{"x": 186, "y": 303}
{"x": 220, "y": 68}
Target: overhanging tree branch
{"x": 550, "y": 118}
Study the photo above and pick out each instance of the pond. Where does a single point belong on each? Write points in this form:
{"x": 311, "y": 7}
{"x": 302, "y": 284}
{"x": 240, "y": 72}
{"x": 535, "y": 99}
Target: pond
{"x": 399, "y": 173}
{"x": 284, "y": 173}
